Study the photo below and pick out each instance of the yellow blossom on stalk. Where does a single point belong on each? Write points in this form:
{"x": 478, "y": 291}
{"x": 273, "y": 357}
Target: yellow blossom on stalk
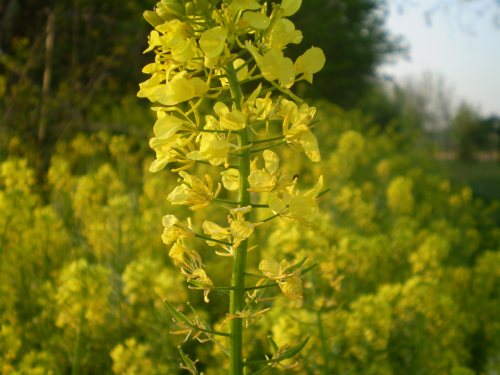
{"x": 173, "y": 230}
{"x": 220, "y": 84}
{"x": 296, "y": 128}
{"x": 215, "y": 231}
{"x": 289, "y": 282}
{"x": 240, "y": 228}
{"x": 193, "y": 192}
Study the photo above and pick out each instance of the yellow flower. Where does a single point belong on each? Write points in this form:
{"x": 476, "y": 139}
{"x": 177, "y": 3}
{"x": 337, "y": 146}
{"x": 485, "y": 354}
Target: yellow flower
{"x": 274, "y": 65}
{"x": 239, "y": 227}
{"x": 262, "y": 180}
{"x": 296, "y": 128}
{"x": 200, "y": 279}
{"x": 193, "y": 192}
{"x": 304, "y": 207}
{"x": 179, "y": 89}
{"x": 215, "y": 231}
{"x": 173, "y": 230}
{"x": 213, "y": 148}
{"x": 282, "y": 33}
{"x": 177, "y": 252}
{"x": 399, "y": 195}
{"x": 290, "y": 203}
{"x": 167, "y": 141}
{"x": 290, "y": 283}
{"x": 177, "y": 39}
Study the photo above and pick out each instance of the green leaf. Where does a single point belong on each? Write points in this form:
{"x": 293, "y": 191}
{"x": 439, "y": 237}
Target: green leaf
{"x": 180, "y": 317}
{"x": 189, "y": 363}
{"x": 292, "y": 352}
{"x": 273, "y": 344}
{"x": 295, "y": 266}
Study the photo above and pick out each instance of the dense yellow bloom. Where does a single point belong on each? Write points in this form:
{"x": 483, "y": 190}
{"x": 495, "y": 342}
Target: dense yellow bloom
{"x": 131, "y": 358}
{"x": 400, "y": 196}
{"x": 82, "y": 295}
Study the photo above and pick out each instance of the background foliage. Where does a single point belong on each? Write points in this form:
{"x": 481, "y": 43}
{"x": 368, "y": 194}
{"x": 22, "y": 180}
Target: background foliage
{"x": 408, "y": 261}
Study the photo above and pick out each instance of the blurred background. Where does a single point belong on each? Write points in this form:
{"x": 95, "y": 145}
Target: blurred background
{"x": 409, "y": 102}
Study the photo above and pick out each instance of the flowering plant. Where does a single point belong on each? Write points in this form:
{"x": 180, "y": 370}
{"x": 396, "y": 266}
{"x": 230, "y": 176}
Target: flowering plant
{"x": 221, "y": 87}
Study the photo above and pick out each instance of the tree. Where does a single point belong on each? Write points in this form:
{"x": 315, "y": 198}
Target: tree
{"x": 466, "y": 127}
{"x": 353, "y": 35}
{"x": 62, "y": 67}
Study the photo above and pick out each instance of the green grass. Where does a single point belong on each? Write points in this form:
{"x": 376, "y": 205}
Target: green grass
{"x": 483, "y": 177}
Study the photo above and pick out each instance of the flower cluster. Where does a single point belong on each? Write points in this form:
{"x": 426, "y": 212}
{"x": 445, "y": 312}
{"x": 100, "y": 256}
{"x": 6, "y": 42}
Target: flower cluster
{"x": 212, "y": 82}
{"x": 221, "y": 87}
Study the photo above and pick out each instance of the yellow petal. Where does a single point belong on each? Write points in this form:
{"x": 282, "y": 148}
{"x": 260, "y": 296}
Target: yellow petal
{"x": 166, "y": 126}
{"x": 237, "y": 5}
{"x": 241, "y": 229}
{"x": 234, "y": 120}
{"x": 310, "y": 145}
{"x": 256, "y": 20}
{"x": 221, "y": 109}
{"x": 214, "y": 230}
{"x": 282, "y": 33}
{"x": 270, "y": 268}
{"x": 271, "y": 160}
{"x": 212, "y": 41}
{"x": 184, "y": 51}
{"x": 231, "y": 179}
{"x": 261, "y": 180}
{"x": 312, "y": 61}
{"x": 292, "y": 288}
{"x": 290, "y": 7}
{"x": 275, "y": 66}
{"x": 177, "y": 252}
{"x": 178, "y": 90}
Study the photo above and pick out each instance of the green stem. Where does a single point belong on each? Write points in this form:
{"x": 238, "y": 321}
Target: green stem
{"x": 237, "y": 296}
{"x": 321, "y": 329}
{"x": 324, "y": 342}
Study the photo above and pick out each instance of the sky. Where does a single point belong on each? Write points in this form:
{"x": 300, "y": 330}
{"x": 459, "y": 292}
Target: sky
{"x": 462, "y": 45}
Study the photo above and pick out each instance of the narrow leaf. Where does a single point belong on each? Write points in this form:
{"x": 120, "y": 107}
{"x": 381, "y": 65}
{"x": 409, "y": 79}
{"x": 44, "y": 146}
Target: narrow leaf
{"x": 292, "y": 352}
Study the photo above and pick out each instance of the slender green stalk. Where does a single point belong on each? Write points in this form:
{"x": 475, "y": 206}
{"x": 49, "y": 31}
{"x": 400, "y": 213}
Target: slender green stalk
{"x": 237, "y": 296}
{"x": 324, "y": 343}
{"x": 321, "y": 330}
